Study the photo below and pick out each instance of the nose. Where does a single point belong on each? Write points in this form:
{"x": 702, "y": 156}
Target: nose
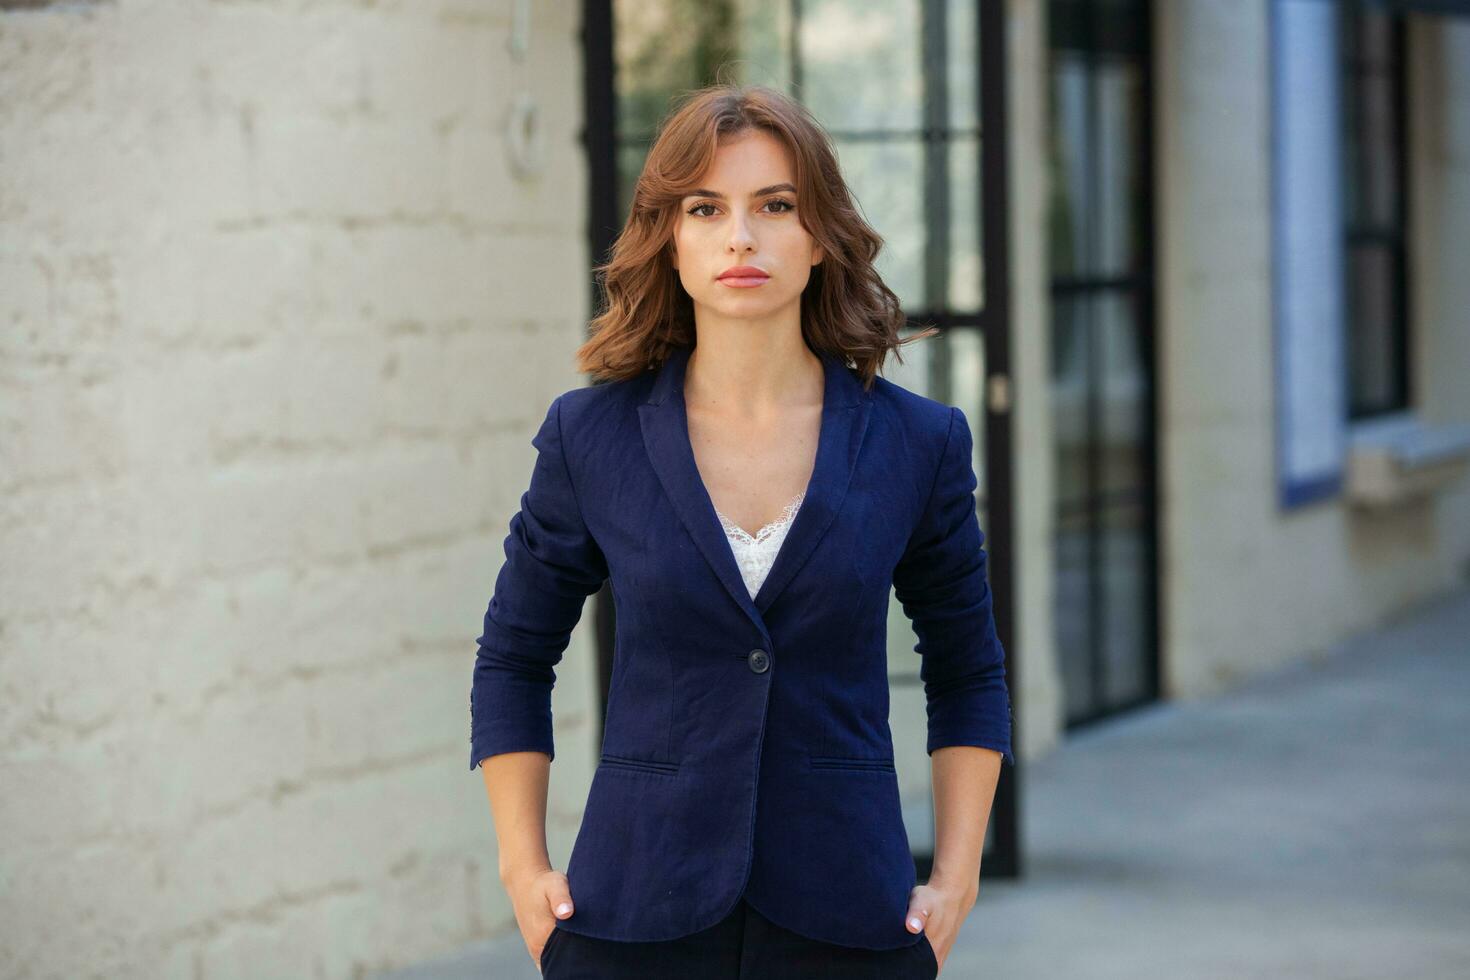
{"x": 741, "y": 237}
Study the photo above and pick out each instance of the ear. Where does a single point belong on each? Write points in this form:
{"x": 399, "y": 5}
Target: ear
{"x": 817, "y": 254}
{"x": 673, "y": 254}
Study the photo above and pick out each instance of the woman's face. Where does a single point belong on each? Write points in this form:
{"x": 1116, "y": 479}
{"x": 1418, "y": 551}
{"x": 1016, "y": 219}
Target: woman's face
{"x": 743, "y": 214}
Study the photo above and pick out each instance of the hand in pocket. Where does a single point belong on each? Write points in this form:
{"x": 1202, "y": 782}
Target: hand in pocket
{"x": 540, "y": 898}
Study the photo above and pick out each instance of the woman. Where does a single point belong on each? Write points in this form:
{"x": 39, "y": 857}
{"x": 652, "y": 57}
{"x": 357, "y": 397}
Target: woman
{"x": 753, "y": 498}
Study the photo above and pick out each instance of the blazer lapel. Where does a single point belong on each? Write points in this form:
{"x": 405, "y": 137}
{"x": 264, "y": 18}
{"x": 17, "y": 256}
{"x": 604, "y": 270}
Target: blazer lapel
{"x": 845, "y": 409}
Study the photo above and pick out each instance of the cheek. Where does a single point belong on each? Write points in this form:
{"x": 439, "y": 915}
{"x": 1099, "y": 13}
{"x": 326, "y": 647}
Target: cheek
{"x": 798, "y": 267}
{"x": 796, "y": 251}
{"x": 691, "y": 254}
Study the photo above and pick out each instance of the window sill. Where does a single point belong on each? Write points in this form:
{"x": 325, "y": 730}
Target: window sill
{"x": 1398, "y": 459}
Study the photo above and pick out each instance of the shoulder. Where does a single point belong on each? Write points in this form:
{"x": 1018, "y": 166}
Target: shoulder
{"x": 599, "y": 414}
{"x": 915, "y": 418}
{"x": 602, "y": 404}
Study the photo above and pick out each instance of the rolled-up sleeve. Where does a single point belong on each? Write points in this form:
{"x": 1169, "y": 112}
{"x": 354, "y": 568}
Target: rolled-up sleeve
{"x": 552, "y": 564}
{"x": 941, "y": 583}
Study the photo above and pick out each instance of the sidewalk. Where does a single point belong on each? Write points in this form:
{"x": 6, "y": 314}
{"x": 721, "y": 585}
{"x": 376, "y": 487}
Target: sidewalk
{"x": 1312, "y": 823}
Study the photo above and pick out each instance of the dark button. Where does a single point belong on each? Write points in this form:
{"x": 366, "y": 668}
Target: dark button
{"x": 759, "y": 661}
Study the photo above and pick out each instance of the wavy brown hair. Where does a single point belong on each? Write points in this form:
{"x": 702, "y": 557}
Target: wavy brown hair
{"x": 846, "y": 308}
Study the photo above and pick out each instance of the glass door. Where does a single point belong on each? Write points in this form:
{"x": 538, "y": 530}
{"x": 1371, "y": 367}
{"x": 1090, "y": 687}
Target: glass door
{"x": 1102, "y": 389}
{"x": 912, "y": 92}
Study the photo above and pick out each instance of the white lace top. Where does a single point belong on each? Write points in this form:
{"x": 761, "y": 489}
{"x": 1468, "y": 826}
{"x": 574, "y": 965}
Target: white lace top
{"x": 755, "y": 554}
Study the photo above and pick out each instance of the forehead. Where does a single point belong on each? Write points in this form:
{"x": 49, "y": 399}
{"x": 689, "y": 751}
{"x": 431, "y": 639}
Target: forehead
{"x": 751, "y": 160}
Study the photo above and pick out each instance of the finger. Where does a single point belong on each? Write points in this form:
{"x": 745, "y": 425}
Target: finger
{"x": 559, "y": 897}
{"x": 918, "y": 915}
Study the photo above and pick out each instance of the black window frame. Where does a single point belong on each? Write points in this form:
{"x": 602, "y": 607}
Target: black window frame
{"x": 1361, "y": 233}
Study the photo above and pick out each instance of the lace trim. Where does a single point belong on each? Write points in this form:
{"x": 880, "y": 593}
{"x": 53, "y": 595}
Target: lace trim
{"x": 756, "y": 553}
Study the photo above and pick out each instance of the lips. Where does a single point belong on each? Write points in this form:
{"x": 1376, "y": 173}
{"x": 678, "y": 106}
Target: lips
{"x": 744, "y": 275}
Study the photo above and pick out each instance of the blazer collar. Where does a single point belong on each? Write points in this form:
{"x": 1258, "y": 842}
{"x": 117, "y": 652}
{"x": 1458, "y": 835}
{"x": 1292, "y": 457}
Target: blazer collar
{"x": 845, "y": 410}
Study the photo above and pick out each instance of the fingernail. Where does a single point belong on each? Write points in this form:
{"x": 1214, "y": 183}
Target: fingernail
{"x": 916, "y": 923}
{"x": 563, "y": 909}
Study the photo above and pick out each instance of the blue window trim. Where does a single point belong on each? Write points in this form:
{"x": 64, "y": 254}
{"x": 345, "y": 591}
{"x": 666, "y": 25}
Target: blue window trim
{"x": 1296, "y": 486}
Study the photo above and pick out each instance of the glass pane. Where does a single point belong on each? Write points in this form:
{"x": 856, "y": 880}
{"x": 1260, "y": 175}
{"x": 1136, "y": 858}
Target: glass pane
{"x": 962, "y": 47}
{"x": 1118, "y": 28}
{"x": 1069, "y": 399}
{"x": 1070, "y": 393}
{"x": 885, "y": 179}
{"x": 909, "y": 724}
{"x": 1371, "y": 37}
{"x": 1071, "y": 611}
{"x": 1069, "y": 212}
{"x": 1376, "y": 130}
{"x": 764, "y": 32}
{"x": 1125, "y": 633}
{"x": 1124, "y": 390}
{"x": 1119, "y": 196}
{"x": 860, "y": 64}
{"x": 1375, "y": 355}
{"x": 1099, "y": 376}
{"x": 1095, "y": 133}
{"x": 917, "y": 372}
{"x": 1372, "y": 127}
{"x": 966, "y": 255}
{"x": 965, "y": 357}
{"x": 666, "y": 47}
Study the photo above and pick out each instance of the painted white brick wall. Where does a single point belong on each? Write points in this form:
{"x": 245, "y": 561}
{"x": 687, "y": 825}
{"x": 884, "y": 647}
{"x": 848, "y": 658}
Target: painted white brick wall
{"x": 276, "y": 326}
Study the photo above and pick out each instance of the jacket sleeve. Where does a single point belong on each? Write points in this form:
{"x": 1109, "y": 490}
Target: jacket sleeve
{"x": 941, "y": 582}
{"x": 552, "y": 565}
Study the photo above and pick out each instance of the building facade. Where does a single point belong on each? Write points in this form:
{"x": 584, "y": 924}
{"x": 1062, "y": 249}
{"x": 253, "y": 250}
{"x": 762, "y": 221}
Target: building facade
{"x": 286, "y": 288}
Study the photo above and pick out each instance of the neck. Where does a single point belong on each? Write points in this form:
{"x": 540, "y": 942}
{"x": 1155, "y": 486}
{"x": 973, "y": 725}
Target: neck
{"x": 752, "y": 372}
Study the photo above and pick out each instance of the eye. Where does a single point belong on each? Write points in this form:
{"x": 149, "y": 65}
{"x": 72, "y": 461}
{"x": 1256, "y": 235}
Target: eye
{"x": 785, "y": 205}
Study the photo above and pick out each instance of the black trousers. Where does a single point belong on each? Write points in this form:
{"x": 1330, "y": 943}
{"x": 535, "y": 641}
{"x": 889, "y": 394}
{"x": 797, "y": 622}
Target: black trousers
{"x": 745, "y": 945}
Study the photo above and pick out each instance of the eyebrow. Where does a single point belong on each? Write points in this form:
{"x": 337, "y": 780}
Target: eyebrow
{"x": 773, "y": 189}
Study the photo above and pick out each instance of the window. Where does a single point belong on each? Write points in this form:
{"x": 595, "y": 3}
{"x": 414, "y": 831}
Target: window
{"x": 1374, "y": 199}
{"x": 1102, "y": 380}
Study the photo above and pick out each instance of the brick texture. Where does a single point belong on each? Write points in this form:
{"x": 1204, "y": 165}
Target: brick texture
{"x": 277, "y": 323}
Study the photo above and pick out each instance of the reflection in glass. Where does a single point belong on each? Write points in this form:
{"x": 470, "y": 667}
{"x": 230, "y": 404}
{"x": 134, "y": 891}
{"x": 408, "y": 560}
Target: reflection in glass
{"x": 1373, "y": 170}
{"x": 1073, "y": 631}
{"x": 1100, "y": 397}
{"x": 860, "y": 64}
{"x": 1125, "y": 603}
{"x": 881, "y": 175}
{"x": 1101, "y": 377}
{"x": 1123, "y": 390}
{"x": 964, "y": 352}
{"x": 966, "y": 262}
{"x": 1071, "y": 360}
{"x": 1374, "y": 352}
{"x": 962, "y": 36}
{"x": 1068, "y": 227}
{"x": 1118, "y": 201}
{"x": 663, "y": 48}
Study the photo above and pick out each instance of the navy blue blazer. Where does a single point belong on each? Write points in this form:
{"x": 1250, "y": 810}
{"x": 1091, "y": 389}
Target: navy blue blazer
{"x": 746, "y": 750}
